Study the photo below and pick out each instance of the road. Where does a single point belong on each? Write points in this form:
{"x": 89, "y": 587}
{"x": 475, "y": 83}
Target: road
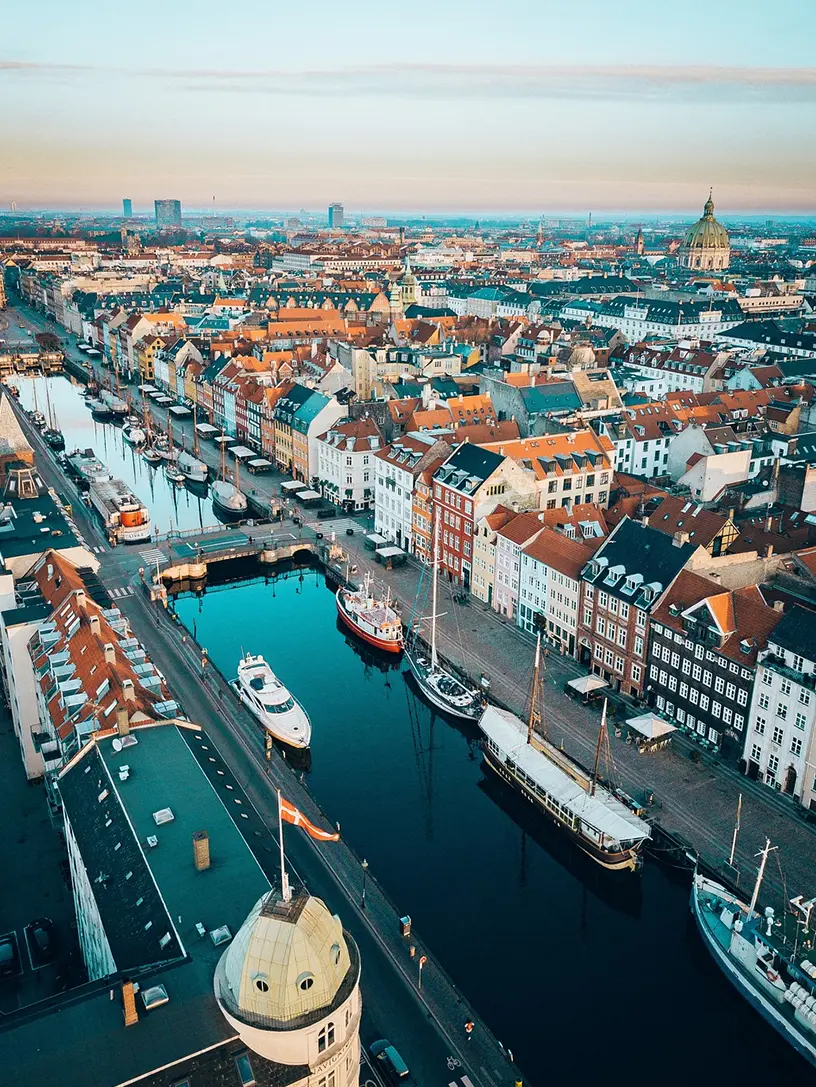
{"x": 427, "y": 1026}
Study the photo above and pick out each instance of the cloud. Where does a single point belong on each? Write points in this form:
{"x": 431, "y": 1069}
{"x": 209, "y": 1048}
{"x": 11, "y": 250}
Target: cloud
{"x": 446, "y": 81}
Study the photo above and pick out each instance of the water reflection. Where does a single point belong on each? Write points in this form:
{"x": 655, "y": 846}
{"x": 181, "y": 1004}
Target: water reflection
{"x": 171, "y": 506}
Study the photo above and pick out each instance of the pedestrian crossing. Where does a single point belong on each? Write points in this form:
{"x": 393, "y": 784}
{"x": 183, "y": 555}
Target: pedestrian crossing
{"x": 150, "y": 558}
{"x": 100, "y": 550}
{"x": 466, "y": 1080}
{"x": 125, "y": 590}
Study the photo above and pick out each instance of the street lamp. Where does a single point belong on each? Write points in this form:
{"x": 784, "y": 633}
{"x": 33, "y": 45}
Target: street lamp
{"x": 365, "y": 870}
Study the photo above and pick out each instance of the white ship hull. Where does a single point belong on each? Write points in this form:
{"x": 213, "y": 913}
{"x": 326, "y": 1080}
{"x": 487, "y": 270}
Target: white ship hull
{"x": 271, "y": 703}
{"x": 774, "y": 1012}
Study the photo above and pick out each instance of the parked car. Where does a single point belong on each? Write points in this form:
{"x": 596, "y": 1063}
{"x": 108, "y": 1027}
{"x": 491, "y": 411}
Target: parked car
{"x": 390, "y": 1064}
{"x": 8, "y": 957}
{"x": 40, "y": 934}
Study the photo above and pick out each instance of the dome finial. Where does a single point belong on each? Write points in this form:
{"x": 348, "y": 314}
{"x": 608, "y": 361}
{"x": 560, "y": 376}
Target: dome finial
{"x": 708, "y": 210}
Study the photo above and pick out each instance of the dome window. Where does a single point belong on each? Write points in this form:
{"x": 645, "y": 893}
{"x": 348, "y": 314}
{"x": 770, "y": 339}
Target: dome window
{"x": 305, "y": 982}
{"x": 335, "y": 954}
{"x": 261, "y": 983}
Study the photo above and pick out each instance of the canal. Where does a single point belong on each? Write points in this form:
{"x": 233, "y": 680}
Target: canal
{"x": 587, "y": 975}
{"x": 171, "y": 507}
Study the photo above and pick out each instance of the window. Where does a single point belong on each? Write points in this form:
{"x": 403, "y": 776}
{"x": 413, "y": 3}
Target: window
{"x": 739, "y": 722}
{"x": 767, "y": 677}
{"x": 773, "y": 764}
{"x": 713, "y": 736}
{"x": 704, "y": 701}
{"x": 730, "y": 691}
{"x": 638, "y": 646}
{"x": 672, "y": 683}
{"x": 759, "y": 726}
{"x": 325, "y": 1039}
{"x": 636, "y": 673}
{"x": 624, "y": 610}
{"x": 781, "y": 711}
{"x": 696, "y": 673}
{"x": 798, "y": 663}
{"x": 622, "y": 637}
{"x": 706, "y": 678}
{"x": 727, "y": 715}
{"x": 742, "y": 696}
{"x": 244, "y": 1067}
{"x": 801, "y": 721}
{"x": 756, "y": 752}
{"x": 763, "y": 702}
{"x": 603, "y": 600}
{"x": 804, "y": 696}
{"x": 684, "y": 690}
{"x": 719, "y": 685}
{"x": 796, "y": 746}
{"x": 785, "y": 686}
{"x": 778, "y": 734}
{"x": 600, "y": 626}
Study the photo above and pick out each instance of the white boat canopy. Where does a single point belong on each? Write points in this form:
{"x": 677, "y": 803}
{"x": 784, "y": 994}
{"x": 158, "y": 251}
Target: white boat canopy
{"x": 651, "y": 726}
{"x": 585, "y": 684}
{"x": 602, "y": 811}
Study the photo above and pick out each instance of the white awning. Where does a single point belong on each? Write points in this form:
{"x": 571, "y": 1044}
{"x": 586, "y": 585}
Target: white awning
{"x": 375, "y": 538}
{"x": 585, "y": 684}
{"x": 180, "y": 410}
{"x": 242, "y": 452}
{"x": 291, "y": 485}
{"x": 389, "y": 552}
{"x": 651, "y": 726}
{"x": 307, "y": 495}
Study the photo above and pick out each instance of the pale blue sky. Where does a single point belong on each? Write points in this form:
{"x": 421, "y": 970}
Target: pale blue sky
{"x": 607, "y": 104}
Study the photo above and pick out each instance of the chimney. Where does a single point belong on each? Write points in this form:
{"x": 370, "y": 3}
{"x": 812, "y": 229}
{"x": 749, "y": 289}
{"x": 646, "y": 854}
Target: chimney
{"x": 129, "y": 1004}
{"x": 201, "y": 850}
{"x": 128, "y": 690}
{"x": 778, "y": 605}
{"x": 110, "y": 653}
{"x": 94, "y": 622}
{"x": 81, "y": 599}
{"x": 122, "y": 721}
{"x": 680, "y": 538}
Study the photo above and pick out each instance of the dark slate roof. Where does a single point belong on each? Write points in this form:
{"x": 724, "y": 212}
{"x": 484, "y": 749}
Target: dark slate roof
{"x": 771, "y": 333}
{"x": 288, "y": 404}
{"x": 219, "y": 1068}
{"x": 796, "y": 632}
{"x": 468, "y": 467}
{"x": 109, "y": 852}
{"x": 638, "y": 549}
{"x": 665, "y": 311}
{"x": 588, "y": 285}
{"x": 415, "y": 311}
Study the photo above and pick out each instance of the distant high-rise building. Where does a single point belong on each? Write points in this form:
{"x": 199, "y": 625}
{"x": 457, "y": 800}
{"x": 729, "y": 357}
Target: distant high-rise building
{"x": 168, "y": 212}
{"x": 127, "y": 208}
{"x": 336, "y": 216}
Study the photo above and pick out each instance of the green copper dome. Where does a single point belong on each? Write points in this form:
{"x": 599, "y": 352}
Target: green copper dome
{"x": 707, "y": 233}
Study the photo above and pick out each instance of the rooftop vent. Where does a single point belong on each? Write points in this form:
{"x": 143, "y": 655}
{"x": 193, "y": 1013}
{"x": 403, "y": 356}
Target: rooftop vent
{"x": 152, "y": 841}
{"x": 221, "y": 935}
{"x": 162, "y": 816}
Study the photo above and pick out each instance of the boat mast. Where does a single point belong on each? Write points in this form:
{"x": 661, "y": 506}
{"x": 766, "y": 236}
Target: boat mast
{"x": 601, "y": 732}
{"x": 435, "y": 573}
{"x": 195, "y": 432}
{"x": 534, "y": 691}
{"x": 760, "y": 873}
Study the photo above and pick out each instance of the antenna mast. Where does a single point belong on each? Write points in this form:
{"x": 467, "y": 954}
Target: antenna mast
{"x": 534, "y": 691}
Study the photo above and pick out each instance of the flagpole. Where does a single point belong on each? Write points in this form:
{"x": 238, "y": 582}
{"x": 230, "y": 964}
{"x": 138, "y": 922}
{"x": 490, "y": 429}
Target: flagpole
{"x": 285, "y": 892}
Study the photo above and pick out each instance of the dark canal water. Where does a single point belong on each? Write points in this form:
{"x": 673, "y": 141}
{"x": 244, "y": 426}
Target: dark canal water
{"x": 170, "y": 507}
{"x": 588, "y": 976}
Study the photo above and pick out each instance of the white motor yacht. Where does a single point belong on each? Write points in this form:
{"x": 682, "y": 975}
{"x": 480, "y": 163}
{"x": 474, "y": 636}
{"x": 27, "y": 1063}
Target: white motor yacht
{"x": 266, "y": 697}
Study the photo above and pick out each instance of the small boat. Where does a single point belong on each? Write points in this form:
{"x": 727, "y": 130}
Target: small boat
{"x": 760, "y": 958}
{"x": 55, "y": 438}
{"x": 266, "y": 697}
{"x": 38, "y": 420}
{"x": 173, "y": 474}
{"x": 440, "y": 686}
{"x": 192, "y": 469}
{"x": 373, "y": 620}
{"x": 134, "y": 434}
{"x": 99, "y": 409}
{"x": 228, "y": 501}
{"x": 151, "y": 455}
{"x": 14, "y": 391}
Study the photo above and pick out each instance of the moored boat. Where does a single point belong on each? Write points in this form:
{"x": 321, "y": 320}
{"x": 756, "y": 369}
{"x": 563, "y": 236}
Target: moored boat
{"x": 172, "y": 473}
{"x": 228, "y": 501}
{"x": 134, "y": 434}
{"x": 55, "y": 438}
{"x": 766, "y": 965}
{"x": 151, "y": 455}
{"x": 372, "y": 619}
{"x": 86, "y": 468}
{"x": 580, "y": 806}
{"x": 192, "y": 469}
{"x": 125, "y": 517}
{"x": 438, "y": 684}
{"x": 271, "y": 703}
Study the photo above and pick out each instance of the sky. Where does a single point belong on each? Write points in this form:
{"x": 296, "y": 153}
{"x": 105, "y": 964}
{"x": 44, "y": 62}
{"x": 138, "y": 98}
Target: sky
{"x": 533, "y": 106}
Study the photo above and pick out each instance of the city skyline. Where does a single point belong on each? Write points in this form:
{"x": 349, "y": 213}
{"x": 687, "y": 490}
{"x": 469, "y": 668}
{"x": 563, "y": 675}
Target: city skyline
{"x": 497, "y": 116}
